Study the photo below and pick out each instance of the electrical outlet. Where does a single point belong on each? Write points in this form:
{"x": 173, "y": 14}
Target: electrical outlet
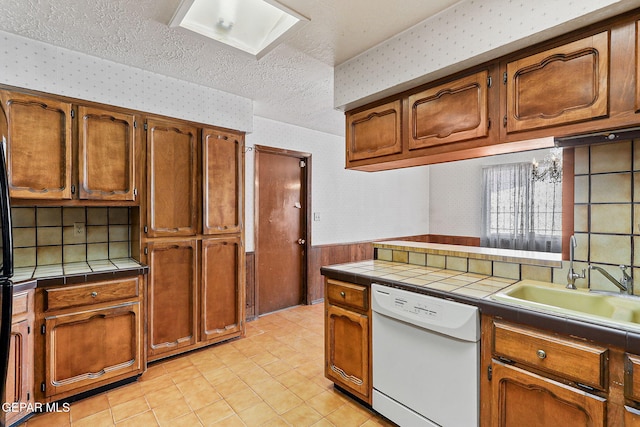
{"x": 316, "y": 216}
{"x": 78, "y": 229}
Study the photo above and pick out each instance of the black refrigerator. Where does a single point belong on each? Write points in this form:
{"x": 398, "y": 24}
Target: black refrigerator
{"x": 6, "y": 268}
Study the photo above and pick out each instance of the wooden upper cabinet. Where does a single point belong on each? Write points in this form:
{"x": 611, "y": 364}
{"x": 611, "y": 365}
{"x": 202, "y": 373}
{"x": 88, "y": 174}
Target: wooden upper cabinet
{"x": 451, "y": 112}
{"x": 39, "y": 146}
{"x": 172, "y": 179}
{"x": 222, "y": 287}
{"x": 559, "y": 86}
{"x": 222, "y": 181}
{"x": 374, "y": 132}
{"x": 106, "y": 154}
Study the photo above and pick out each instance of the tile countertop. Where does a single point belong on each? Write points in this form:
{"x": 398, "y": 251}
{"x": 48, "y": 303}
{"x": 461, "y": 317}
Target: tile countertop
{"x": 476, "y": 289}
{"x": 78, "y": 272}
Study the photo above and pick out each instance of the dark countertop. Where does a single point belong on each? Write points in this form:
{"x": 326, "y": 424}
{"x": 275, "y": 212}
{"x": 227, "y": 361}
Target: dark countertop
{"x": 474, "y": 289}
{"x": 78, "y": 272}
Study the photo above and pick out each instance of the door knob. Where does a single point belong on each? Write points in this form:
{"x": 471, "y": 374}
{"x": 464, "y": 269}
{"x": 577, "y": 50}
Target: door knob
{"x": 301, "y": 241}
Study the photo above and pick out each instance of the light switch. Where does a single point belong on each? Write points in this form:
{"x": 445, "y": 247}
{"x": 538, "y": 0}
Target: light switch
{"x": 316, "y": 216}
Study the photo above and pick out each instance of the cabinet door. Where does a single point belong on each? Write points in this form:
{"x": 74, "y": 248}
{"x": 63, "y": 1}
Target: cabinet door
{"x": 91, "y": 346}
{"x": 106, "y": 155}
{"x": 521, "y": 398}
{"x": 451, "y": 112}
{"x": 171, "y": 296}
{"x": 19, "y": 386}
{"x": 172, "y": 179}
{"x": 222, "y": 160}
{"x": 221, "y": 289}
{"x": 559, "y": 86}
{"x": 374, "y": 132}
{"x": 39, "y": 146}
{"x": 347, "y": 350}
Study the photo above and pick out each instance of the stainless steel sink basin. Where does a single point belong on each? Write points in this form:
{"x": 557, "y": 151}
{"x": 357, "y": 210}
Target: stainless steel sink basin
{"x": 603, "y": 308}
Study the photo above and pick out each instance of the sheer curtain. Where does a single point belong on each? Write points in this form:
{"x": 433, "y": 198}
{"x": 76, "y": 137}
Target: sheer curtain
{"x": 519, "y": 213}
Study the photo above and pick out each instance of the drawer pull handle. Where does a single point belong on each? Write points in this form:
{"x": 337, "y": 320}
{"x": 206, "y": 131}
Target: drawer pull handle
{"x": 541, "y": 354}
{"x": 94, "y": 294}
{"x": 342, "y": 294}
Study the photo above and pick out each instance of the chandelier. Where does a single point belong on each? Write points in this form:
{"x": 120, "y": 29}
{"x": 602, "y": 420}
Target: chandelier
{"x": 550, "y": 168}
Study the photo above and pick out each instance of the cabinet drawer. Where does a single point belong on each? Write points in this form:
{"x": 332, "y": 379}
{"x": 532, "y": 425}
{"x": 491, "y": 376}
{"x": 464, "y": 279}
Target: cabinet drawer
{"x": 94, "y": 293}
{"x": 570, "y": 359}
{"x": 632, "y": 377}
{"x": 348, "y": 295}
{"x": 20, "y": 303}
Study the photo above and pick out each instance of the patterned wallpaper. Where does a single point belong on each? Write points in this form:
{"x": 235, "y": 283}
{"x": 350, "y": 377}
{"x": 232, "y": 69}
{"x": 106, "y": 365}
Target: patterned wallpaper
{"x": 466, "y": 34}
{"x": 31, "y": 64}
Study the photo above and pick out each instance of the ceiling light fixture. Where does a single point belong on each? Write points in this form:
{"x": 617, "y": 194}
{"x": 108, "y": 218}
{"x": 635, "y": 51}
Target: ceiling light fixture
{"x": 551, "y": 168}
{"x": 253, "y": 26}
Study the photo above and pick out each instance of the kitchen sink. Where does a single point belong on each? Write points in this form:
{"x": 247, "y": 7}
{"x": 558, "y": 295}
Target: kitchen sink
{"x": 606, "y": 308}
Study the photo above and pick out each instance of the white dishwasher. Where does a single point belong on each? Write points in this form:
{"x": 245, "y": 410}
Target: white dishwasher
{"x": 426, "y": 359}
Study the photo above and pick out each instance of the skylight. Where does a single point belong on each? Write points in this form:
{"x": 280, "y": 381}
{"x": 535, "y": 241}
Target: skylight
{"x": 253, "y": 26}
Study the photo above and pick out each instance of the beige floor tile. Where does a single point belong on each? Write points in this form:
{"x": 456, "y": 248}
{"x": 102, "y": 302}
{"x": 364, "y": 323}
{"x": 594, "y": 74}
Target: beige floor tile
{"x": 302, "y": 415}
{"x": 230, "y": 387}
{"x": 232, "y": 421}
{"x": 124, "y": 394}
{"x": 146, "y": 419}
{"x": 197, "y": 399}
{"x": 99, "y": 419}
{"x": 306, "y": 390}
{"x": 171, "y": 410}
{"x": 159, "y": 397}
{"x": 185, "y": 374}
{"x": 215, "y": 412}
{"x": 257, "y": 415}
{"x": 327, "y": 402}
{"x": 158, "y": 383}
{"x": 61, "y": 419}
{"x": 188, "y": 420}
{"x": 129, "y": 409}
{"x": 242, "y": 400}
{"x": 90, "y": 406}
{"x": 283, "y": 401}
{"x": 348, "y": 416}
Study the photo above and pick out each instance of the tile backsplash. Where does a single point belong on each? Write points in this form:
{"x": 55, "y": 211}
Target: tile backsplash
{"x": 607, "y": 210}
{"x": 56, "y": 235}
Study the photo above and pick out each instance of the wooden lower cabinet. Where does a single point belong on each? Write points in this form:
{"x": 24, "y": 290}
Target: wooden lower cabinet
{"x": 195, "y": 293}
{"x": 521, "y": 398}
{"x": 221, "y": 289}
{"x": 92, "y": 336}
{"x": 19, "y": 387}
{"x": 171, "y": 294}
{"x": 348, "y": 338}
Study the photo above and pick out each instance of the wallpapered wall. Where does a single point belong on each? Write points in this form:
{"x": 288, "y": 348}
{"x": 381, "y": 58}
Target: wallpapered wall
{"x": 468, "y": 33}
{"x": 35, "y": 65}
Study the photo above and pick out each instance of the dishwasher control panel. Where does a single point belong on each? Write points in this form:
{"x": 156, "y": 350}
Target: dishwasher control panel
{"x": 420, "y": 309}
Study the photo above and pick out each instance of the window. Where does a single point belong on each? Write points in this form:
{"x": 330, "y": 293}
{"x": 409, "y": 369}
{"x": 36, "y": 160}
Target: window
{"x": 518, "y": 212}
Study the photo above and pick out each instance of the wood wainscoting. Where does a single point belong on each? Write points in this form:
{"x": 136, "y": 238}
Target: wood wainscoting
{"x": 337, "y": 254}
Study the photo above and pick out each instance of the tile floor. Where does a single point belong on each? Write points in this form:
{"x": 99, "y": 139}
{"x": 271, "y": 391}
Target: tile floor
{"x": 273, "y": 377}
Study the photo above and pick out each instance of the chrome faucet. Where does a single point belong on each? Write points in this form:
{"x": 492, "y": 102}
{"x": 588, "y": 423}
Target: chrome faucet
{"x": 572, "y": 275}
{"x": 626, "y": 282}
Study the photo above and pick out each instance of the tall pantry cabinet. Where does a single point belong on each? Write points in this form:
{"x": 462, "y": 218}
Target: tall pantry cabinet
{"x": 193, "y": 236}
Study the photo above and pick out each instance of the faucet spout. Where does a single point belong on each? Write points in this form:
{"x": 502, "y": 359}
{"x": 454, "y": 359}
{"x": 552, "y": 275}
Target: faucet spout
{"x": 625, "y": 284}
{"x": 572, "y": 275}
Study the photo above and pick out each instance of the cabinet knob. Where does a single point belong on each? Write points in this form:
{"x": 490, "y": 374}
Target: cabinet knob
{"x": 342, "y": 294}
{"x": 541, "y": 354}
{"x": 94, "y": 294}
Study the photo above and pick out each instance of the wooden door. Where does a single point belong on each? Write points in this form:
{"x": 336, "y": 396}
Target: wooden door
{"x": 91, "y": 346}
{"x": 563, "y": 85}
{"x": 280, "y": 211}
{"x": 451, "y": 112}
{"x": 524, "y": 399}
{"x": 172, "y": 179}
{"x": 171, "y": 296}
{"x": 347, "y": 350}
{"x": 39, "y": 149}
{"x": 222, "y": 178}
{"x": 106, "y": 160}
{"x": 374, "y": 132}
{"x": 221, "y": 288}
{"x": 19, "y": 379}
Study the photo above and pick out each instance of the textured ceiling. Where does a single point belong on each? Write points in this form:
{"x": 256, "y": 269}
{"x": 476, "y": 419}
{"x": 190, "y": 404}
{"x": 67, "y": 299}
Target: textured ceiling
{"x": 293, "y": 83}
